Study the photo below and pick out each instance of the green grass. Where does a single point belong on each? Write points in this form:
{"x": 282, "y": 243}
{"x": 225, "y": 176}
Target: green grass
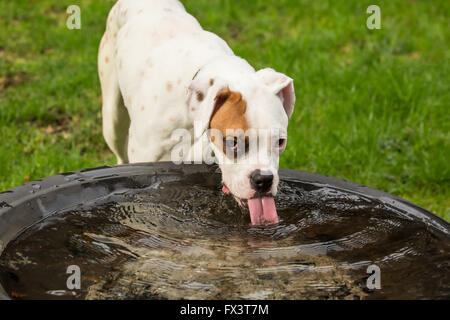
{"x": 372, "y": 105}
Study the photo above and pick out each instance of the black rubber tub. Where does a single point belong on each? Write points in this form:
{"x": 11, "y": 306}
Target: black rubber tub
{"x": 164, "y": 231}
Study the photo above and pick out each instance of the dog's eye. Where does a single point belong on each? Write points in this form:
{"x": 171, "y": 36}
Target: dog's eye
{"x": 281, "y": 143}
{"x": 231, "y": 143}
{"x": 235, "y": 147}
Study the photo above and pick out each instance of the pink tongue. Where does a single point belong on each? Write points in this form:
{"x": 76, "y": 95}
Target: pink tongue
{"x": 262, "y": 211}
{"x": 225, "y": 190}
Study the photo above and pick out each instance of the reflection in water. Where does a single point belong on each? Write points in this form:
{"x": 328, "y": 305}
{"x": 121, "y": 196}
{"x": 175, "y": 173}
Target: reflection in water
{"x": 186, "y": 239}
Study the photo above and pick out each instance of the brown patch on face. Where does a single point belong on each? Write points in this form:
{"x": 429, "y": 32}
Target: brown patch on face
{"x": 229, "y": 113}
{"x": 211, "y": 82}
{"x": 142, "y": 108}
{"x": 200, "y": 96}
{"x": 106, "y": 59}
{"x": 169, "y": 86}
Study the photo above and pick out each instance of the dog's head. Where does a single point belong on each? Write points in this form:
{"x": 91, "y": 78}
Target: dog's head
{"x": 246, "y": 123}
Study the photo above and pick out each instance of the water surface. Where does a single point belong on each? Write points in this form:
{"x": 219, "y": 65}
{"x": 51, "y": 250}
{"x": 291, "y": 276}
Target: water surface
{"x": 185, "y": 239}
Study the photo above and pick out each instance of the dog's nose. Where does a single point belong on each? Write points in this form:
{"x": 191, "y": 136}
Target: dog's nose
{"x": 261, "y": 181}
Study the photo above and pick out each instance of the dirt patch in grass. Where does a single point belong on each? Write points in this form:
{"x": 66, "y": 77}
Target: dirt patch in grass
{"x": 12, "y": 80}
{"x": 59, "y": 125}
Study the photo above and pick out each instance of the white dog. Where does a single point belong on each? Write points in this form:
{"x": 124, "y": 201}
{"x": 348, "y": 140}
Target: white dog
{"x": 160, "y": 71}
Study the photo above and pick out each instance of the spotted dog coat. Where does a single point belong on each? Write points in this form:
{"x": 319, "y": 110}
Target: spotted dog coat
{"x": 160, "y": 71}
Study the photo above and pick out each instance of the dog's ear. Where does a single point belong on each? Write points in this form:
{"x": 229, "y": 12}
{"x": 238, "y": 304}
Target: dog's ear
{"x": 281, "y": 85}
{"x": 204, "y": 98}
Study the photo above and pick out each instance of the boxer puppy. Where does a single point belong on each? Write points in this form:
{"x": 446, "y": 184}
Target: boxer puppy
{"x": 161, "y": 72}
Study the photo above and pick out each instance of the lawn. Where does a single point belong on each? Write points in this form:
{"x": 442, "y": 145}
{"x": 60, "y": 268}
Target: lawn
{"x": 372, "y": 105}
